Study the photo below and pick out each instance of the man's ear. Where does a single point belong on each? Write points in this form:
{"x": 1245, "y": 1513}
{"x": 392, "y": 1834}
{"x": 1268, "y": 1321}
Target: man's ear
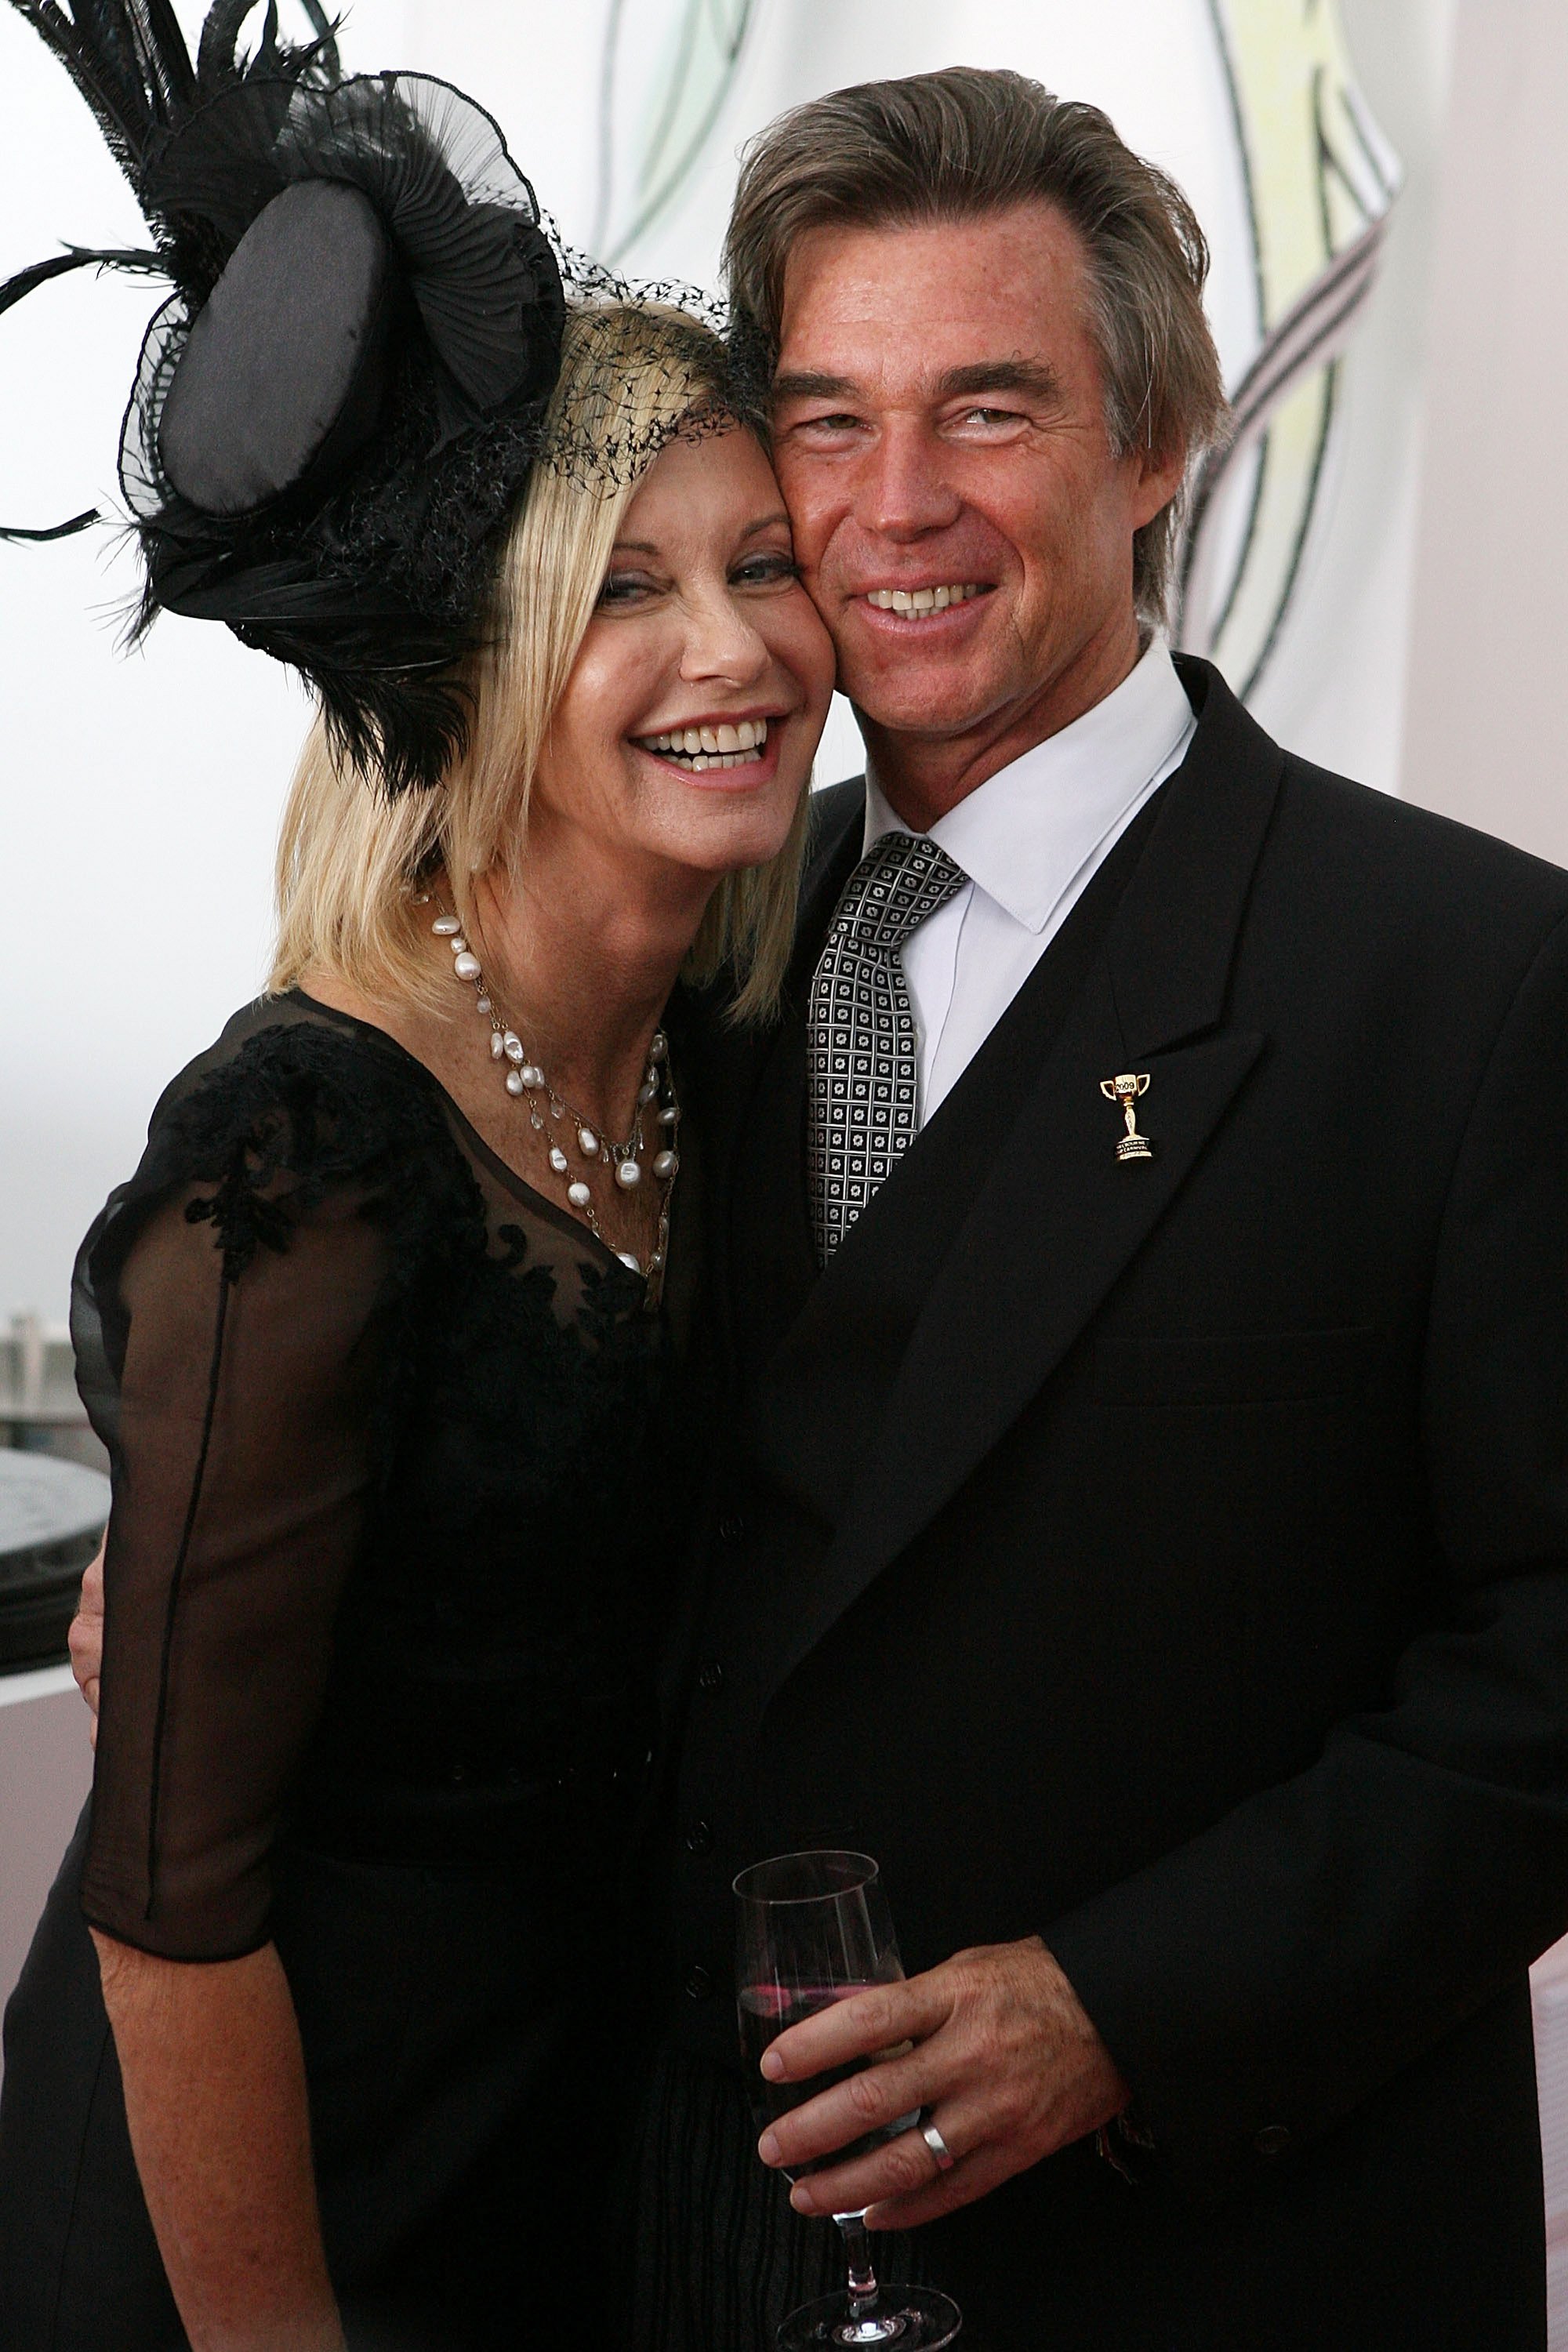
{"x": 1159, "y": 477}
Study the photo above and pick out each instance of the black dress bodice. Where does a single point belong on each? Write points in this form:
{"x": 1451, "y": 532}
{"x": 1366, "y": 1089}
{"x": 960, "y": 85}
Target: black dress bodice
{"x": 398, "y": 1475}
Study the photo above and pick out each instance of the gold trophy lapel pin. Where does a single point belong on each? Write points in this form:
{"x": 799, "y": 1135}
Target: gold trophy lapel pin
{"x": 1126, "y": 1092}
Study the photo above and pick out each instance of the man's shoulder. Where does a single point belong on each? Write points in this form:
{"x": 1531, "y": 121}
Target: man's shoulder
{"x": 1341, "y": 838}
{"x": 1372, "y": 843}
{"x": 836, "y": 816}
{"x": 834, "y": 810}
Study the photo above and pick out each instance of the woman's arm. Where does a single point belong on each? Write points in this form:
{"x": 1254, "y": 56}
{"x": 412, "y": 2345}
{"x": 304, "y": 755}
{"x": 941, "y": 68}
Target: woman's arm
{"x": 86, "y": 1637}
{"x": 214, "y": 2096}
{"x": 239, "y": 1288}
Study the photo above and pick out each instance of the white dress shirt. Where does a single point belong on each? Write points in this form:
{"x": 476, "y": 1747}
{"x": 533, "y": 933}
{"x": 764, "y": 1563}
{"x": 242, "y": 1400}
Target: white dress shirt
{"x": 1031, "y": 839}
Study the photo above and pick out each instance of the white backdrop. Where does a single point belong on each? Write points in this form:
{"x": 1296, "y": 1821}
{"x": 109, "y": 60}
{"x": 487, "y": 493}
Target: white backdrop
{"x": 142, "y": 794}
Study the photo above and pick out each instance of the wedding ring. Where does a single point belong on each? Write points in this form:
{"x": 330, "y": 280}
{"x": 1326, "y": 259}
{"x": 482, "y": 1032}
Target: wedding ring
{"x": 945, "y": 2159}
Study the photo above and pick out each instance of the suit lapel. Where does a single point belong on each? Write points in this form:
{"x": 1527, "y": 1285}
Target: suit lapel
{"x": 745, "y": 1089}
{"x": 1058, "y": 1217}
{"x": 771, "y": 1253}
{"x": 840, "y": 1356}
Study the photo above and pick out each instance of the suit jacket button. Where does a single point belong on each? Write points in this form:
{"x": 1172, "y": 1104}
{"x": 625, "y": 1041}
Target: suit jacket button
{"x": 1273, "y": 2139}
{"x": 711, "y": 1675}
{"x": 699, "y": 1983}
{"x": 700, "y": 1838}
{"x": 731, "y": 1528}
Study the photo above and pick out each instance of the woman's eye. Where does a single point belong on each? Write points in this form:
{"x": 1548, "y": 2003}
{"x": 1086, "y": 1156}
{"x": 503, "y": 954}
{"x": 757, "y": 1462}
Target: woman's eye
{"x": 624, "y": 588}
{"x": 765, "y": 570}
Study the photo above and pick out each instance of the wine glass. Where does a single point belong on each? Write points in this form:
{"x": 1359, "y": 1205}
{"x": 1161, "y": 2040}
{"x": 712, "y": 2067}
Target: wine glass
{"x": 815, "y": 1928}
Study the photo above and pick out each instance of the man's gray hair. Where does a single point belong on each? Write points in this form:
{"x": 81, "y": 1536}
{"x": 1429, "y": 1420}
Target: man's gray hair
{"x": 967, "y": 143}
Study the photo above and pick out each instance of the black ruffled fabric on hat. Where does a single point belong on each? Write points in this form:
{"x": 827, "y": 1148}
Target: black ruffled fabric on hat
{"x": 397, "y": 306}
{"x": 338, "y": 409}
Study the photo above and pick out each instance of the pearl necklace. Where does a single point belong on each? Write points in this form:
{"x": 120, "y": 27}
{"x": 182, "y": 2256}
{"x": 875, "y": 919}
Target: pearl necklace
{"x": 624, "y": 1161}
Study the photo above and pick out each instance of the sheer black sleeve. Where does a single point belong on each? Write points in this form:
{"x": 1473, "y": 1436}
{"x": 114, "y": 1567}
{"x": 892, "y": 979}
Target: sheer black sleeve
{"x": 235, "y": 1319}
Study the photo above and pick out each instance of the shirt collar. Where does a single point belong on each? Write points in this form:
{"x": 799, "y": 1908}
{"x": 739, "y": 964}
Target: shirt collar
{"x": 1022, "y": 835}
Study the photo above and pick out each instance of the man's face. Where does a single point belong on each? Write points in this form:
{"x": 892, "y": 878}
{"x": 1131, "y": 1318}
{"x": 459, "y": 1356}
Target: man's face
{"x": 940, "y": 433}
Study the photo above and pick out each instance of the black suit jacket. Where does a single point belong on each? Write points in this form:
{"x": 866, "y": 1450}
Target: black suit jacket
{"x": 1167, "y": 1557}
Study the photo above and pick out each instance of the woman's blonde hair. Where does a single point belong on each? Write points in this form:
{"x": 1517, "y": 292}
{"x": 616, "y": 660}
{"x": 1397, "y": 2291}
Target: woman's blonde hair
{"x": 350, "y": 858}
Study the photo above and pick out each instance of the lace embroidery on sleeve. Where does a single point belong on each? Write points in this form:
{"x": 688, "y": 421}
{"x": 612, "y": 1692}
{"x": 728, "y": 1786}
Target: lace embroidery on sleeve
{"x": 306, "y": 1141}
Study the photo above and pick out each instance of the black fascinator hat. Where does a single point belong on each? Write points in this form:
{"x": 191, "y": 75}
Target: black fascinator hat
{"x": 340, "y": 403}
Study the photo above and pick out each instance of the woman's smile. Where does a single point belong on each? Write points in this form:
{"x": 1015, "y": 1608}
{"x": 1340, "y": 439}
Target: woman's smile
{"x": 738, "y": 752}
{"x": 684, "y": 734}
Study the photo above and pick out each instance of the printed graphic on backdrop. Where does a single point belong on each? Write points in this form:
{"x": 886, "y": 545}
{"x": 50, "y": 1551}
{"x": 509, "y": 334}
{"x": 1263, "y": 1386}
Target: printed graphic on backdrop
{"x": 1320, "y": 181}
{"x": 668, "y": 69}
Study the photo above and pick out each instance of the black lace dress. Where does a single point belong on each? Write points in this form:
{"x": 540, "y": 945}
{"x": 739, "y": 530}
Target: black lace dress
{"x": 399, "y": 1467}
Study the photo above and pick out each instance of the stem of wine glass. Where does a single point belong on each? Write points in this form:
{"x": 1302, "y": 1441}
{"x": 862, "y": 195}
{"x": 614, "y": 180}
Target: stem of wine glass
{"x": 864, "y": 2292}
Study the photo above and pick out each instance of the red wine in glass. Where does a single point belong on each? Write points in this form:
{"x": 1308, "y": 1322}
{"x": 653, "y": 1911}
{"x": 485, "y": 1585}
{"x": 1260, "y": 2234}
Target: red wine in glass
{"x": 814, "y": 1929}
{"x": 768, "y": 2011}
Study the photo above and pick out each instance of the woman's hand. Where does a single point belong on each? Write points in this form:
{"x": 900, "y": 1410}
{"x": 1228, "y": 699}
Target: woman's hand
{"x": 214, "y": 2096}
{"x": 86, "y": 1636}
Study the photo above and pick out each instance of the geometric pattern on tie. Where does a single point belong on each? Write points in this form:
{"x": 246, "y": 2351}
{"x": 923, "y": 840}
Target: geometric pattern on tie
{"x": 864, "y": 1090}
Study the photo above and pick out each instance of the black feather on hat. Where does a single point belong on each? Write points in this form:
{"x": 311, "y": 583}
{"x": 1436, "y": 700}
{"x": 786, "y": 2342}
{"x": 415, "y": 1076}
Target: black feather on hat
{"x": 340, "y": 403}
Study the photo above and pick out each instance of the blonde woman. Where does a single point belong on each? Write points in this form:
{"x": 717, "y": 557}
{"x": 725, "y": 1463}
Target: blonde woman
{"x": 386, "y": 1335}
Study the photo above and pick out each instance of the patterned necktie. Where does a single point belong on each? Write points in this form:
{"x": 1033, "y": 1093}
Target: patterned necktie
{"x": 864, "y": 1089}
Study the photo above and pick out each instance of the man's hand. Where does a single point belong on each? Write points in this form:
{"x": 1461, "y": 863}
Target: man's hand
{"x": 86, "y": 1637}
{"x": 1003, "y": 2055}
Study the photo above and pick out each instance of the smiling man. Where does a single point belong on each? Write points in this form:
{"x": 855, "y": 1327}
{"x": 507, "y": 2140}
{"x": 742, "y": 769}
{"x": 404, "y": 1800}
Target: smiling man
{"x": 1141, "y": 1248}
{"x": 903, "y": 456}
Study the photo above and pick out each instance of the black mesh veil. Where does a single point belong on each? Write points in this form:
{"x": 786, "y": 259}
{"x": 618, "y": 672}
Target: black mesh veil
{"x": 339, "y": 405}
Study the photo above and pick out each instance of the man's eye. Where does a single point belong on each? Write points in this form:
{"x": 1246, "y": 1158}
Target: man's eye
{"x": 988, "y": 418}
{"x": 841, "y": 422}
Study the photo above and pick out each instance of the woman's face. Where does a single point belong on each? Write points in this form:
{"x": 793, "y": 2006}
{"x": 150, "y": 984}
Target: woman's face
{"x": 685, "y": 731}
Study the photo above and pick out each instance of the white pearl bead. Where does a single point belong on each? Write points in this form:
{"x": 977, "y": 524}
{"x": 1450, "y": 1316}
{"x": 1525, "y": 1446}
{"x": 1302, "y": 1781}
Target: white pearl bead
{"x": 660, "y": 1047}
{"x": 511, "y": 1047}
{"x": 665, "y": 1164}
{"x": 459, "y": 946}
{"x": 669, "y": 1117}
{"x": 484, "y": 1004}
{"x": 627, "y": 1175}
{"x": 588, "y": 1144}
{"x": 579, "y": 1195}
{"x": 558, "y": 1160}
{"x": 467, "y": 966}
{"x": 627, "y": 1259}
{"x": 646, "y": 1094}
{"x": 497, "y": 1048}
{"x": 532, "y": 1075}
{"x": 514, "y": 1082}
{"x": 445, "y": 926}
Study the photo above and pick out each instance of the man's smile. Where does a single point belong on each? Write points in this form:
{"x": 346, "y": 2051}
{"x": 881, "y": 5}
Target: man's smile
{"x": 938, "y": 607}
{"x": 921, "y": 599}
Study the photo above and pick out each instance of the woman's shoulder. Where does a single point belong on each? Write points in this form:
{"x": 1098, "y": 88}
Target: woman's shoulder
{"x": 295, "y": 1115}
{"x": 267, "y": 1043}
{"x": 297, "y": 1092}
